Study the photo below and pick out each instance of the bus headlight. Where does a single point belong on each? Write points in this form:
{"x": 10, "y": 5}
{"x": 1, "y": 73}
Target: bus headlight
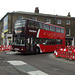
{"x": 22, "y": 49}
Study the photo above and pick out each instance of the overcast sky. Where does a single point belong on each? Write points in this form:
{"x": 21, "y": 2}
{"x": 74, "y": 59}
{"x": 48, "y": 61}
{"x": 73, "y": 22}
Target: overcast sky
{"x": 59, "y": 7}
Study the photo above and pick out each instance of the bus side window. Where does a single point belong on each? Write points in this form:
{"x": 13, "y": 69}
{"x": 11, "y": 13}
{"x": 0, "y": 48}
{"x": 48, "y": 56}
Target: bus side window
{"x": 57, "y": 29}
{"x": 37, "y": 25}
{"x": 62, "y": 30}
{"x": 52, "y": 28}
{"x": 40, "y": 24}
{"x": 52, "y": 41}
{"x": 31, "y": 24}
{"x": 38, "y": 41}
{"x": 45, "y": 27}
{"x": 45, "y": 41}
{"x": 58, "y": 41}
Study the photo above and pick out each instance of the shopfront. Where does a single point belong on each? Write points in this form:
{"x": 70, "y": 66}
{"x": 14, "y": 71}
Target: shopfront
{"x": 69, "y": 41}
{"x": 7, "y": 37}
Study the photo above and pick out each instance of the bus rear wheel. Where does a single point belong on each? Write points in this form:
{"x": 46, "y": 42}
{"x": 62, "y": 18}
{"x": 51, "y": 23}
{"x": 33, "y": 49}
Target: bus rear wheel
{"x": 37, "y": 50}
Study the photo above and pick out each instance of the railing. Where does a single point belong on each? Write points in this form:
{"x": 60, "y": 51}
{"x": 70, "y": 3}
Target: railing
{"x": 5, "y": 48}
{"x": 67, "y": 52}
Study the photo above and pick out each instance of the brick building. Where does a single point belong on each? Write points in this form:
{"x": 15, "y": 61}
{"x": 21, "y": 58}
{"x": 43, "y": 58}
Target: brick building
{"x": 7, "y": 24}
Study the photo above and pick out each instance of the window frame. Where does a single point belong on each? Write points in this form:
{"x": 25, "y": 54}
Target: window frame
{"x": 48, "y": 21}
{"x": 67, "y": 22}
{"x": 68, "y": 32}
{"x": 58, "y": 21}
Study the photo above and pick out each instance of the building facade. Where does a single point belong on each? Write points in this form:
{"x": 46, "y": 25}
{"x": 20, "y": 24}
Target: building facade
{"x": 8, "y": 21}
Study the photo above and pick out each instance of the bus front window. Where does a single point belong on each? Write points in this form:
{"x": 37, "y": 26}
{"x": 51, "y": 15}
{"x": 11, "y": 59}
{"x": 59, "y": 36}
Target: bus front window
{"x": 19, "y": 41}
{"x": 20, "y": 23}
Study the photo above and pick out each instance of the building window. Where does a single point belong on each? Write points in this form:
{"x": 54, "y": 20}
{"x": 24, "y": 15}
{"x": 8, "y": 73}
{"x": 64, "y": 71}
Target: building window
{"x": 67, "y": 32}
{"x": 48, "y": 21}
{"x": 34, "y": 18}
{"x": 67, "y": 22}
{"x": 58, "y": 21}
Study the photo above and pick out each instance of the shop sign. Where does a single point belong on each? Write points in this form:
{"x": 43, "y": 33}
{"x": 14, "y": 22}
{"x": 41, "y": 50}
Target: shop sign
{"x": 5, "y": 24}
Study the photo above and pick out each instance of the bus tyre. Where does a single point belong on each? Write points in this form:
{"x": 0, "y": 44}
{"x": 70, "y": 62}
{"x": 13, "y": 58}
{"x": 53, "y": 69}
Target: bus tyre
{"x": 37, "y": 50}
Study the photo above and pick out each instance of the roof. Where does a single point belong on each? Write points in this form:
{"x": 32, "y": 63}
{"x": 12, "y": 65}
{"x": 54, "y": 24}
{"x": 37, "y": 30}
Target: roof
{"x": 37, "y": 14}
{"x": 41, "y": 14}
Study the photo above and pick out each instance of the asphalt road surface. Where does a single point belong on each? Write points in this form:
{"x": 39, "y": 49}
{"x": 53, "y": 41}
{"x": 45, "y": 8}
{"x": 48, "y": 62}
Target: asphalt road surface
{"x": 15, "y": 63}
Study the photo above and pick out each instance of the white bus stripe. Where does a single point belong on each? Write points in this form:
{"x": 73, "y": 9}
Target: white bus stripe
{"x": 38, "y": 33}
{"x": 38, "y": 37}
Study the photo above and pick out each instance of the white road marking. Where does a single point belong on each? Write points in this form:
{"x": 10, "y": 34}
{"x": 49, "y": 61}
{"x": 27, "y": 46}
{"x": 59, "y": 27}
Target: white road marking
{"x": 38, "y": 72}
{"x": 10, "y": 52}
{"x": 17, "y": 63}
{"x": 24, "y": 67}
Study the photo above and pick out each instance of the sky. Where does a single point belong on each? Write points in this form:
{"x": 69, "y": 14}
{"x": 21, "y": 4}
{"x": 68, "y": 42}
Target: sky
{"x": 55, "y": 7}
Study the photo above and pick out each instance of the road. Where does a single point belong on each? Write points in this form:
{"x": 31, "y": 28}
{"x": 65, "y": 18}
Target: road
{"x": 15, "y": 63}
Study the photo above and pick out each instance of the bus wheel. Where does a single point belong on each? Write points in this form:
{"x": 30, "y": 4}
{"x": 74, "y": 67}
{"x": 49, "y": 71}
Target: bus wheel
{"x": 37, "y": 50}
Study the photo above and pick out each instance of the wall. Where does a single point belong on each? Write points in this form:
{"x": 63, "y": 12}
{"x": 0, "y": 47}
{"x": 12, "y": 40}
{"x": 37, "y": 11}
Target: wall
{"x": 12, "y": 17}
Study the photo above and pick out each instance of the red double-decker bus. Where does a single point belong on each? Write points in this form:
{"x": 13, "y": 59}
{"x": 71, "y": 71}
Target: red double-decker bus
{"x": 31, "y": 36}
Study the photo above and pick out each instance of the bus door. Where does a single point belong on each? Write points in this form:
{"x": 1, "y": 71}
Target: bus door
{"x": 29, "y": 44}
{"x": 32, "y": 44}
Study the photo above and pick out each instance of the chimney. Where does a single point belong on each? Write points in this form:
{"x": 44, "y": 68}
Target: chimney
{"x": 69, "y": 14}
{"x": 36, "y": 10}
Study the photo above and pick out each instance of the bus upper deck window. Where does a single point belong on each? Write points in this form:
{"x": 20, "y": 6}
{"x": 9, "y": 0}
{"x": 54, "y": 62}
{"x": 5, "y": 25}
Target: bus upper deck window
{"x": 52, "y": 28}
{"x": 40, "y": 24}
{"x": 31, "y": 24}
{"x": 57, "y": 29}
{"x": 37, "y": 25}
{"x": 46, "y": 27}
{"x": 62, "y": 30}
